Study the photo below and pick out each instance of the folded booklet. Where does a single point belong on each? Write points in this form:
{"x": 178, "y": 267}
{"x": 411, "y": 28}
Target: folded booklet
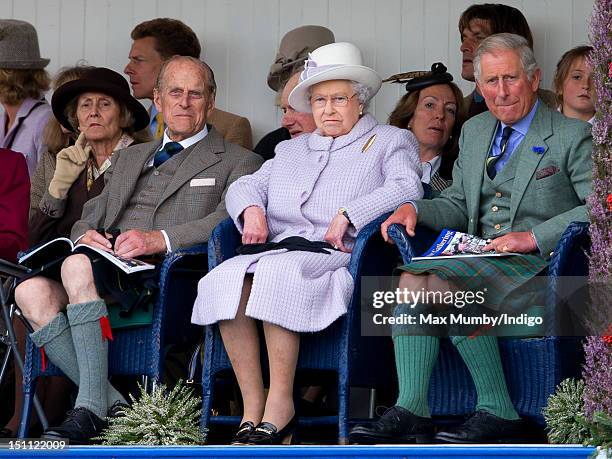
{"x": 60, "y": 248}
{"x": 455, "y": 244}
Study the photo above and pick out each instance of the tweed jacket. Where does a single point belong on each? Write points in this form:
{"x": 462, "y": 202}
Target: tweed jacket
{"x": 552, "y": 180}
{"x": 25, "y": 135}
{"x": 300, "y": 191}
{"x": 235, "y": 129}
{"x": 51, "y": 218}
{"x": 14, "y": 198}
{"x": 187, "y": 213}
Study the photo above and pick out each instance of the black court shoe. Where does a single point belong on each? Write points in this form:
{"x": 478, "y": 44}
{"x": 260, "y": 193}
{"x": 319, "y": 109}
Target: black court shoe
{"x": 242, "y": 435}
{"x": 267, "y": 433}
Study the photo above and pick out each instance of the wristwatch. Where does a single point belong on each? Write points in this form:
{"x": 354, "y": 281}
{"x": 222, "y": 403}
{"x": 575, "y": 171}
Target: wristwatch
{"x": 342, "y": 211}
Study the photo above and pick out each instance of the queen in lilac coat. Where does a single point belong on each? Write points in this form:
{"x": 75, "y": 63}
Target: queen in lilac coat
{"x": 323, "y": 186}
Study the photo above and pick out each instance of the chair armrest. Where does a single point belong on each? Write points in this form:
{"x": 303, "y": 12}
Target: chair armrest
{"x": 567, "y": 276}
{"x": 364, "y": 237}
{"x": 570, "y": 255}
{"x": 411, "y": 246}
{"x": 223, "y": 242}
{"x": 184, "y": 268}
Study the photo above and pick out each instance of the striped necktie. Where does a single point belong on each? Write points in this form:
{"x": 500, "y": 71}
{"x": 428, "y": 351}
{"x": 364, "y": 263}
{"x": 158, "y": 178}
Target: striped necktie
{"x": 169, "y": 150}
{"x": 503, "y": 146}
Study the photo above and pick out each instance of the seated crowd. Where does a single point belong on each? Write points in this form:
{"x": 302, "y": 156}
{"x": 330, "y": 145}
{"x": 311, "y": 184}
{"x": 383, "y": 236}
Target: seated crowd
{"x": 510, "y": 162}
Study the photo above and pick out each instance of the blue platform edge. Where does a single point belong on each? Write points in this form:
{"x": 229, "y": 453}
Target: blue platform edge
{"x": 309, "y": 452}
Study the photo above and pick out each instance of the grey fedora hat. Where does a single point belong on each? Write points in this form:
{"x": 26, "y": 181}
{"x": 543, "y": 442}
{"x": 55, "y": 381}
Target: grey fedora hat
{"x": 293, "y": 51}
{"x": 19, "y": 46}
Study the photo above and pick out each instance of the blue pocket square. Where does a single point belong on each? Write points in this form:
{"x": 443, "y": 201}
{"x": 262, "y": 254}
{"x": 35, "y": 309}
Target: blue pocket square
{"x": 538, "y": 150}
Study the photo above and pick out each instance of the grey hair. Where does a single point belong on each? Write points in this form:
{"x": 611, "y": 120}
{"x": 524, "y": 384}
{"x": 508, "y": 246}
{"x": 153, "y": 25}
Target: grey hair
{"x": 361, "y": 91}
{"x": 506, "y": 41}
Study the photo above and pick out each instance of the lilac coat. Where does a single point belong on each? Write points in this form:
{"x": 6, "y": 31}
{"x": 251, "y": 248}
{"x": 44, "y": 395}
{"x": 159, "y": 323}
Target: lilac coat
{"x": 26, "y": 136}
{"x": 300, "y": 191}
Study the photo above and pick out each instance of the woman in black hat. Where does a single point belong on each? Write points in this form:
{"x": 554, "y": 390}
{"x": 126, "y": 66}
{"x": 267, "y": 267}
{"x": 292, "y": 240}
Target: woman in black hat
{"x": 94, "y": 106}
{"x": 99, "y": 111}
{"x": 433, "y": 110}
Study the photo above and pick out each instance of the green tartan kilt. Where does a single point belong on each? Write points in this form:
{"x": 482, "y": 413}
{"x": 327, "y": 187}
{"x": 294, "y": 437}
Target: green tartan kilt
{"x": 508, "y": 280}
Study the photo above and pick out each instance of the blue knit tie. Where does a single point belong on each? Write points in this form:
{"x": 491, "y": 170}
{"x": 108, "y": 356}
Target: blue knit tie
{"x": 169, "y": 150}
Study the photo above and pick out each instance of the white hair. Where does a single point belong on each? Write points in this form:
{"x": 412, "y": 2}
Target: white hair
{"x": 506, "y": 41}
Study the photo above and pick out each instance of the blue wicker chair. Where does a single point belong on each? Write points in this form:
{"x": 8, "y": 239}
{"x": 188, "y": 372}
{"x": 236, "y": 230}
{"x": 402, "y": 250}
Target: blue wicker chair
{"x": 357, "y": 361}
{"x": 140, "y": 351}
{"x": 533, "y": 366}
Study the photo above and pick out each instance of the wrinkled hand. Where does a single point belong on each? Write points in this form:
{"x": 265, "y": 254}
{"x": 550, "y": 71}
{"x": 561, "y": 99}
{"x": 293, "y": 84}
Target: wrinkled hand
{"x": 94, "y": 239}
{"x": 134, "y": 243}
{"x": 404, "y": 215}
{"x": 518, "y": 242}
{"x": 255, "y": 226}
{"x": 70, "y": 162}
{"x": 336, "y": 231}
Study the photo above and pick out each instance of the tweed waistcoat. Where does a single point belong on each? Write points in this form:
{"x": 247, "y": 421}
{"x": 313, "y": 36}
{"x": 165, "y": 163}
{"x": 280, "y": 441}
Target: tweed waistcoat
{"x": 495, "y": 199}
{"x": 150, "y": 187}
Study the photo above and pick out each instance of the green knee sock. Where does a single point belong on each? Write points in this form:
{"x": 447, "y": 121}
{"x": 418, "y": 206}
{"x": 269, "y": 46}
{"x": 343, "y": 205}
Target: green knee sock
{"x": 415, "y": 357}
{"x": 58, "y": 346}
{"x": 481, "y": 355}
{"x": 92, "y": 358}
{"x": 56, "y": 338}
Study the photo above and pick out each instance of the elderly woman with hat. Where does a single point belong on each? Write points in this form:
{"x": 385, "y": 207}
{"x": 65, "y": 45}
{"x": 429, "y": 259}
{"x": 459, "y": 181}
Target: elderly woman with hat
{"x": 299, "y": 216}
{"x": 23, "y": 82}
{"x": 98, "y": 108}
{"x": 94, "y": 104}
{"x": 433, "y": 110}
{"x": 66, "y": 179}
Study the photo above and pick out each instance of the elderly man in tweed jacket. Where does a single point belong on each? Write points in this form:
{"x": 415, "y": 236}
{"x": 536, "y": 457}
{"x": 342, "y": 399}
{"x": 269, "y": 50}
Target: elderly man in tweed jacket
{"x": 162, "y": 199}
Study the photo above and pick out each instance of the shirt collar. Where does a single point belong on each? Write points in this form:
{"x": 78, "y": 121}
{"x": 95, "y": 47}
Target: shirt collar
{"x": 430, "y": 168}
{"x": 189, "y": 141}
{"x": 522, "y": 126}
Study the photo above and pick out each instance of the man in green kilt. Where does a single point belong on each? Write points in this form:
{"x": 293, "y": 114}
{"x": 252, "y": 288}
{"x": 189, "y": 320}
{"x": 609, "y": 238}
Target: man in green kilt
{"x": 523, "y": 174}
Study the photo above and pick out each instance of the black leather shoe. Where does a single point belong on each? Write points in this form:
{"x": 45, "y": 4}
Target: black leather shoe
{"x": 267, "y": 433}
{"x": 396, "y": 425}
{"x": 79, "y": 427}
{"x": 242, "y": 436}
{"x": 484, "y": 427}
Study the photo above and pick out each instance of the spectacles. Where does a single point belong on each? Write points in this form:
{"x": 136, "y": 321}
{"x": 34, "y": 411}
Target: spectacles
{"x": 336, "y": 101}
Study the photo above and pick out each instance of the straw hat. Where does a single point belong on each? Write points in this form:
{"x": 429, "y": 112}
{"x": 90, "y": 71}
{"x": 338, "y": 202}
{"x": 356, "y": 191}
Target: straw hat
{"x": 336, "y": 61}
{"x": 19, "y": 46}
